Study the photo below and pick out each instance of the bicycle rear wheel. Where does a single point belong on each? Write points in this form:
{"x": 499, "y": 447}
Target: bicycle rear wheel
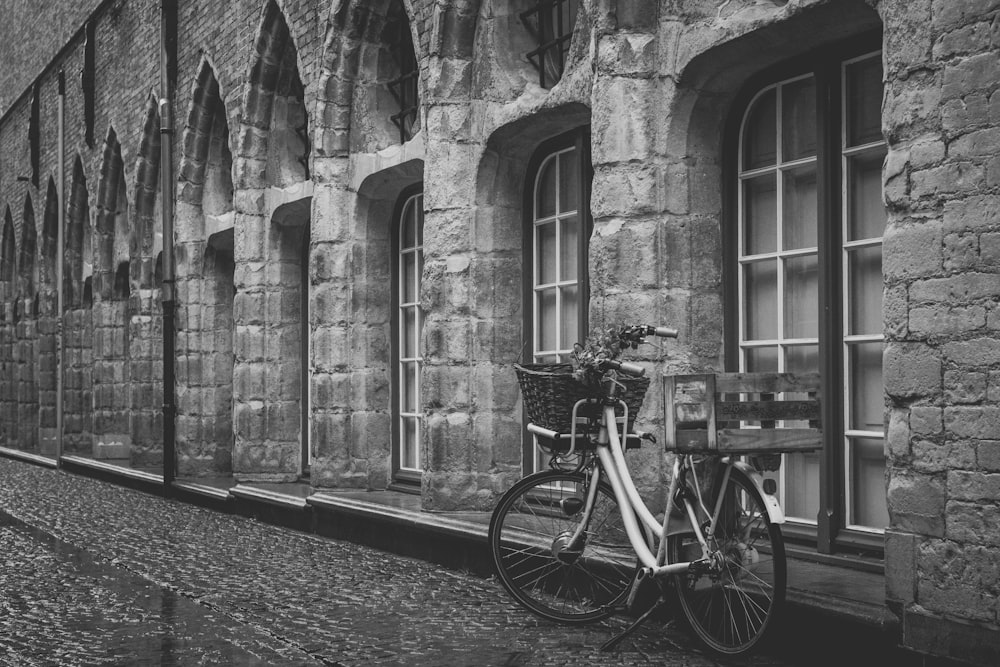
{"x": 733, "y": 604}
{"x": 529, "y": 537}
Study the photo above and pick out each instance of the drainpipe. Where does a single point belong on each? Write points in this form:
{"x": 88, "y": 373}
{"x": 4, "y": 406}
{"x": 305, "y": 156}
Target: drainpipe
{"x": 167, "y": 9}
{"x": 60, "y": 243}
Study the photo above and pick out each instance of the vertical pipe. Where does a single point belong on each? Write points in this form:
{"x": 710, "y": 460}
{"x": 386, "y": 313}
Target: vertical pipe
{"x": 60, "y": 264}
{"x": 167, "y": 203}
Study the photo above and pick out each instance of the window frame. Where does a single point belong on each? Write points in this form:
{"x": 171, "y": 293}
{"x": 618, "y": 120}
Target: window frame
{"x": 403, "y": 479}
{"x": 578, "y": 139}
{"x": 832, "y": 533}
{"x": 555, "y": 48}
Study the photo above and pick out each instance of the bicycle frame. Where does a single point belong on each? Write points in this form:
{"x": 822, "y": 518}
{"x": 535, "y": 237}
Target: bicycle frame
{"x": 611, "y": 455}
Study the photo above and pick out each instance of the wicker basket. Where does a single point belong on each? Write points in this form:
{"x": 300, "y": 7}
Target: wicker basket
{"x": 550, "y": 391}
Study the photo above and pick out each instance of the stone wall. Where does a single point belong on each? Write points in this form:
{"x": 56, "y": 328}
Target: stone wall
{"x": 287, "y": 175}
{"x": 941, "y": 271}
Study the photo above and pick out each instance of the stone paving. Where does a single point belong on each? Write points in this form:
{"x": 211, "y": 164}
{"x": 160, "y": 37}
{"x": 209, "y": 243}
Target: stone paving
{"x": 96, "y": 574}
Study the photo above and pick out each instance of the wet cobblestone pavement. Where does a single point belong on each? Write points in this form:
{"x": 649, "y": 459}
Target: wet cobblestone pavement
{"x": 96, "y": 574}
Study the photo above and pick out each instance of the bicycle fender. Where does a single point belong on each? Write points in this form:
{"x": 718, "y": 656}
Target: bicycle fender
{"x": 774, "y": 511}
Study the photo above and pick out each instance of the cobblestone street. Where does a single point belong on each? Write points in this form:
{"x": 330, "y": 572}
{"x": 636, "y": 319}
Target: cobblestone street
{"x": 94, "y": 573}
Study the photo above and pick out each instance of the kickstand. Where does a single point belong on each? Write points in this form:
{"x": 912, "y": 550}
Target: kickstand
{"x": 611, "y": 643}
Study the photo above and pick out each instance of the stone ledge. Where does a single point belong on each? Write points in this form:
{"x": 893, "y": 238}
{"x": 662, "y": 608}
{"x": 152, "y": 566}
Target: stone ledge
{"x": 37, "y": 459}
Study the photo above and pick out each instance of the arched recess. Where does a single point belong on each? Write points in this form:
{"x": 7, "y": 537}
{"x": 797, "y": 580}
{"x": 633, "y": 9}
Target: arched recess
{"x": 112, "y": 433}
{"x": 475, "y": 311}
{"x": 27, "y": 332}
{"x": 352, "y": 431}
{"x": 369, "y": 46}
{"x": 205, "y": 278}
{"x": 8, "y": 384}
{"x": 145, "y": 314}
{"x": 271, "y": 391}
{"x": 47, "y": 322}
{"x": 78, "y": 266}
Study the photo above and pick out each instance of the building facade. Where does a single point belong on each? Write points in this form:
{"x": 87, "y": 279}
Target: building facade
{"x": 380, "y": 206}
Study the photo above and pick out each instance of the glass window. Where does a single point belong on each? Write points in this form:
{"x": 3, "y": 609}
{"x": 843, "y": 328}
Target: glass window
{"x": 557, "y": 230}
{"x": 784, "y": 256}
{"x": 403, "y": 82}
{"x": 409, "y": 323}
{"x": 550, "y": 23}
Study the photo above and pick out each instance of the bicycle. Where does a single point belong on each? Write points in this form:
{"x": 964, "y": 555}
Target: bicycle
{"x": 576, "y": 543}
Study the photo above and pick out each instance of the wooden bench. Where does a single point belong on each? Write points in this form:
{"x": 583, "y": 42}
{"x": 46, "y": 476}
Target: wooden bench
{"x": 741, "y": 413}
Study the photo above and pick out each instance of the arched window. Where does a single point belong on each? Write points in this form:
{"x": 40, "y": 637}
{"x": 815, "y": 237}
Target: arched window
{"x": 550, "y": 23}
{"x": 808, "y": 275}
{"x": 407, "y": 326}
{"x": 557, "y": 233}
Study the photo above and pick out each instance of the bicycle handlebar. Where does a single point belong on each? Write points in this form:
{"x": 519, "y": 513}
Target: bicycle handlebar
{"x": 625, "y": 367}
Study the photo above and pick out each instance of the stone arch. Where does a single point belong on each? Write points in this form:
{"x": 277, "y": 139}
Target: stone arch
{"x": 26, "y": 269}
{"x": 692, "y": 140}
{"x": 112, "y": 439}
{"x": 206, "y": 268}
{"x": 135, "y": 284}
{"x": 78, "y": 237}
{"x": 78, "y": 302}
{"x": 143, "y": 244}
{"x": 357, "y": 64}
{"x": 26, "y": 332}
{"x": 50, "y": 230}
{"x": 274, "y": 136}
{"x": 8, "y": 385}
{"x": 272, "y": 318}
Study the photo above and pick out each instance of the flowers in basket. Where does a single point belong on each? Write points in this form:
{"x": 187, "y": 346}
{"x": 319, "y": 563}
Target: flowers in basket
{"x": 587, "y": 358}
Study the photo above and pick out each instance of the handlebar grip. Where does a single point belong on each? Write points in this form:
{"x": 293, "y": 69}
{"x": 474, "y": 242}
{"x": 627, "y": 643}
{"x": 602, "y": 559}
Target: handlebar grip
{"x": 627, "y": 368}
{"x": 665, "y": 332}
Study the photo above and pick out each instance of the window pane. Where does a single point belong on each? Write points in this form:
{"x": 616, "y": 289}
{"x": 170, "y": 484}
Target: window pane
{"x": 545, "y": 319}
{"x": 865, "y": 385}
{"x": 408, "y": 332}
{"x": 864, "y": 101}
{"x": 867, "y": 214}
{"x": 408, "y": 396}
{"x": 799, "y": 208}
{"x": 408, "y": 234}
{"x": 568, "y": 258}
{"x": 762, "y": 360}
{"x": 418, "y": 209}
{"x": 802, "y": 485}
{"x": 409, "y": 449}
{"x": 569, "y": 180}
{"x": 760, "y": 133}
{"x": 802, "y": 359}
{"x": 570, "y": 317}
{"x": 545, "y": 253}
{"x": 761, "y": 215}
{"x": 798, "y": 119}
{"x": 408, "y": 277}
{"x": 865, "y": 290}
{"x": 545, "y": 193}
{"x": 868, "y": 493}
{"x": 801, "y": 297}
{"x": 761, "y": 300}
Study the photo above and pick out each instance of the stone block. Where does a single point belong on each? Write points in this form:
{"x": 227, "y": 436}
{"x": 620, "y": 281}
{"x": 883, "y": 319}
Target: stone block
{"x": 911, "y": 370}
{"x": 947, "y": 179}
{"x": 939, "y": 320}
{"x": 622, "y": 120}
{"x": 900, "y": 566}
{"x": 917, "y": 502}
{"x": 988, "y": 455}
{"x": 626, "y": 189}
{"x": 936, "y": 457}
{"x": 926, "y": 420}
{"x": 913, "y": 250}
{"x": 972, "y": 421}
{"x": 898, "y": 433}
{"x": 964, "y": 386}
{"x": 961, "y": 252}
{"x": 972, "y": 213}
{"x": 975, "y": 73}
{"x": 973, "y": 486}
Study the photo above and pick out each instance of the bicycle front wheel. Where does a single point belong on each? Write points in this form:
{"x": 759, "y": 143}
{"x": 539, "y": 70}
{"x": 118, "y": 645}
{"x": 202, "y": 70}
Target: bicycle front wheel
{"x": 731, "y": 602}
{"x": 530, "y": 539}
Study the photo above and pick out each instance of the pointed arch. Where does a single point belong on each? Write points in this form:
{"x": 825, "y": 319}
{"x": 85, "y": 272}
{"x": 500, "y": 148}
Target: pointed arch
{"x": 206, "y": 159}
{"x": 8, "y": 246}
{"x": 142, "y": 245}
{"x": 29, "y": 249}
{"x": 275, "y": 132}
{"x": 50, "y": 240}
{"x": 77, "y": 237}
{"x": 112, "y": 230}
